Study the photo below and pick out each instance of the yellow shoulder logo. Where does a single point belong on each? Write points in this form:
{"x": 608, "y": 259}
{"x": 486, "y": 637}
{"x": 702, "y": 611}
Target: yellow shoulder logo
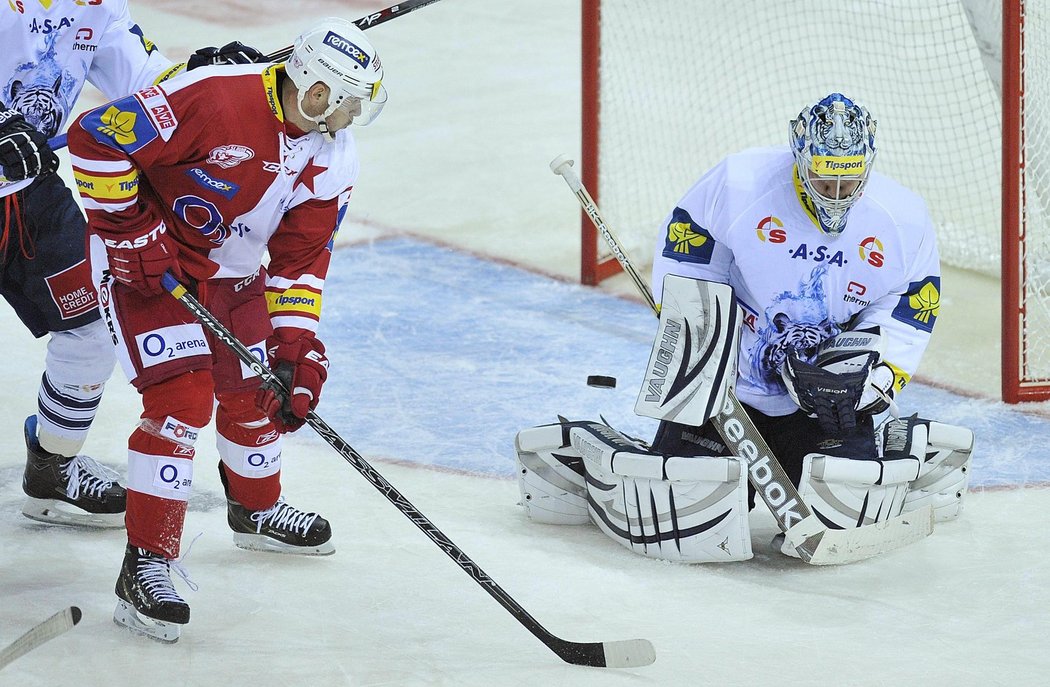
{"x": 926, "y": 303}
{"x": 683, "y": 237}
{"x": 118, "y": 125}
{"x": 920, "y": 305}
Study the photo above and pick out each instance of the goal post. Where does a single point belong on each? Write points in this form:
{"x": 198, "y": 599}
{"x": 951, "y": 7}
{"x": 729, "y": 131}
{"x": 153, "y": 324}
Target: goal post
{"x": 670, "y": 87}
{"x": 1026, "y": 192}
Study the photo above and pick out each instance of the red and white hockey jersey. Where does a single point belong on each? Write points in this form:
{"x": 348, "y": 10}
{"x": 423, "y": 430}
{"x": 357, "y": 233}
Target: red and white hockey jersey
{"x": 51, "y": 48}
{"x": 210, "y": 154}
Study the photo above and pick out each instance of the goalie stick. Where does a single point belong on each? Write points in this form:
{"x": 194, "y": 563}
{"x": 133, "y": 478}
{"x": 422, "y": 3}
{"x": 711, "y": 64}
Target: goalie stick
{"x": 812, "y": 539}
{"x": 367, "y": 22}
{"x": 43, "y": 632}
{"x": 629, "y": 653}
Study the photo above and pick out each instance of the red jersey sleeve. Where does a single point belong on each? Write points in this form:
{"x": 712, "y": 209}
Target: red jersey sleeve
{"x": 300, "y": 253}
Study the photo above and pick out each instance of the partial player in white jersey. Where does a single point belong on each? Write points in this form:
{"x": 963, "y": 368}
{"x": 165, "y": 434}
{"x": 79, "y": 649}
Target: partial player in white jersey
{"x": 50, "y": 50}
{"x": 833, "y": 270}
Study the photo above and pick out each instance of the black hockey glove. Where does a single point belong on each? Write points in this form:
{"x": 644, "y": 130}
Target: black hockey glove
{"x": 24, "y": 152}
{"x": 231, "y": 53}
{"x": 832, "y": 397}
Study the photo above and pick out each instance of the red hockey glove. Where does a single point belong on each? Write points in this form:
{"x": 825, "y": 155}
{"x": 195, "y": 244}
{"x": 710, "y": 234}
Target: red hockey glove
{"x": 298, "y": 360}
{"x": 140, "y": 258}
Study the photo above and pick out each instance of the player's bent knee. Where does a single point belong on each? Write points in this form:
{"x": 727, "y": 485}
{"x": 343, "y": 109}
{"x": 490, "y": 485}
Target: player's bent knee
{"x": 84, "y": 355}
{"x": 688, "y": 509}
{"x": 240, "y": 407}
{"x": 178, "y": 408}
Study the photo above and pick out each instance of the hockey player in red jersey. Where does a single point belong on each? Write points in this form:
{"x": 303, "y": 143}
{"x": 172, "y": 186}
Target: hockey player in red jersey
{"x": 202, "y": 176}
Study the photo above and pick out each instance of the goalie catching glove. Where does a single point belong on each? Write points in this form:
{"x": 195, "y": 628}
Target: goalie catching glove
{"x": 847, "y": 377}
{"x": 297, "y": 359}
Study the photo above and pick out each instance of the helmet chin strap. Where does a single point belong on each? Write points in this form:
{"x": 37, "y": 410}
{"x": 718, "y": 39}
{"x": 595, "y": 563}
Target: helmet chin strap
{"x": 322, "y": 125}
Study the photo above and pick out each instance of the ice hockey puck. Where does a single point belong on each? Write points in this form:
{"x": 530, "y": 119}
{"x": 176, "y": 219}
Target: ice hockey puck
{"x": 601, "y": 381}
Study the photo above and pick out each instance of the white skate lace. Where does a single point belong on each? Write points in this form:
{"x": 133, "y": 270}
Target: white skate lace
{"x": 284, "y": 517}
{"x": 155, "y": 577}
{"x": 85, "y": 474}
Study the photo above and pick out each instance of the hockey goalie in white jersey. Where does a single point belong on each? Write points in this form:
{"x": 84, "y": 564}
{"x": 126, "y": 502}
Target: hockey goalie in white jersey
{"x": 829, "y": 275}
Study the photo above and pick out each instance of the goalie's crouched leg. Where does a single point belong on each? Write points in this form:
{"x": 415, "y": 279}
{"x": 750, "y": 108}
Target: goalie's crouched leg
{"x": 551, "y": 475}
{"x": 921, "y": 463}
{"x": 689, "y": 509}
{"x": 944, "y": 451}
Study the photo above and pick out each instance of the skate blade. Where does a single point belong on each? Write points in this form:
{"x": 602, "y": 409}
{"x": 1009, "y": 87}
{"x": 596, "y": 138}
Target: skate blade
{"x": 126, "y": 616}
{"x": 259, "y": 542}
{"x": 54, "y": 512}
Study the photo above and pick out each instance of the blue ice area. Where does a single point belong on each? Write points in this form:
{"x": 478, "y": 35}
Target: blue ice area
{"x": 440, "y": 357}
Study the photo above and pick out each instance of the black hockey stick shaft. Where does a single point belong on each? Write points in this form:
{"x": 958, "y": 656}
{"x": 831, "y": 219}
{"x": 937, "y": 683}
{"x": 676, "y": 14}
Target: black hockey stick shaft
{"x": 374, "y": 19}
{"x": 621, "y": 654}
{"x": 741, "y": 436}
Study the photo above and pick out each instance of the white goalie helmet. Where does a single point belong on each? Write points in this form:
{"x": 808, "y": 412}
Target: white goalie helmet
{"x": 337, "y": 53}
{"x": 834, "y": 146}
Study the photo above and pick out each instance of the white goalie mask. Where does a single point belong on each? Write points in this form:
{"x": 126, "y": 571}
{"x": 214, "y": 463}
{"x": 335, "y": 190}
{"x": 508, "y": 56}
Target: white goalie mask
{"x": 336, "y": 53}
{"x": 834, "y": 146}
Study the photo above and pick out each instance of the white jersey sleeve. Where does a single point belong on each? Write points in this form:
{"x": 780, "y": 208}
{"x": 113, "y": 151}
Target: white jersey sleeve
{"x": 125, "y": 61}
{"x": 687, "y": 243}
{"x": 907, "y": 313}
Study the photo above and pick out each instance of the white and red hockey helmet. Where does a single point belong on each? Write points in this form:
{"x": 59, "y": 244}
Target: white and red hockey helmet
{"x": 337, "y": 53}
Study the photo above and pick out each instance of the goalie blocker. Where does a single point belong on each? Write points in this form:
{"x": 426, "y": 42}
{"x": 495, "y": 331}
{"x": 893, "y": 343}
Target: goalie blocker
{"x": 667, "y": 507}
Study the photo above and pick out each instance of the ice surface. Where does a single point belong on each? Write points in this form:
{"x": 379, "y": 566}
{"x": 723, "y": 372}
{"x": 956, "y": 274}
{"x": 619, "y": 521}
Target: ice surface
{"x": 439, "y": 356}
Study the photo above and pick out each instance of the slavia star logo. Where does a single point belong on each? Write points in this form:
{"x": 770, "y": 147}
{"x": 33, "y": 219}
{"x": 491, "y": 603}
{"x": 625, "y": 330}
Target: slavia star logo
{"x": 684, "y": 238}
{"x": 926, "y": 302}
{"x": 118, "y": 125}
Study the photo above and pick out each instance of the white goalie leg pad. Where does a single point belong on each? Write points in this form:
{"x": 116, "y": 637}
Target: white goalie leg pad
{"x": 685, "y": 509}
{"x": 845, "y": 493}
{"x": 945, "y": 472}
{"x": 693, "y": 362}
{"x": 550, "y": 476}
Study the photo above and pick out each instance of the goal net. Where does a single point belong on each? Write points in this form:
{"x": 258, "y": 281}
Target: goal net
{"x": 673, "y": 86}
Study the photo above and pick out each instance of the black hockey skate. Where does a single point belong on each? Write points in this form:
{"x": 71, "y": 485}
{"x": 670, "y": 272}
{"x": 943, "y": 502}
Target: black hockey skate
{"x": 281, "y": 528}
{"x": 69, "y": 491}
{"x": 147, "y": 602}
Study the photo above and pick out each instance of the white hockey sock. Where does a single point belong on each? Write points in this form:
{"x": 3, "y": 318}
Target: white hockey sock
{"x": 64, "y": 415}
{"x": 78, "y": 363}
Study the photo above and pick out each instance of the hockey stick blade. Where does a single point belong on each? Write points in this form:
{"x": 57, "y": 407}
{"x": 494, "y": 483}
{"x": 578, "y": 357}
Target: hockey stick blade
{"x": 45, "y": 631}
{"x": 836, "y": 547}
{"x": 626, "y": 653}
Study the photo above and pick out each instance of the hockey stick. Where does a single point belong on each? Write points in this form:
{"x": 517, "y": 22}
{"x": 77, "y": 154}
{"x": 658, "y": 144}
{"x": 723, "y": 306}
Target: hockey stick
{"x": 374, "y": 19}
{"x": 618, "y": 654}
{"x": 815, "y": 542}
{"x": 43, "y": 632}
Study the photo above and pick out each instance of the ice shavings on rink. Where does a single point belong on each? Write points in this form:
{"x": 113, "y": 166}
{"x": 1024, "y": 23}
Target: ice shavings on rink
{"x": 439, "y": 357}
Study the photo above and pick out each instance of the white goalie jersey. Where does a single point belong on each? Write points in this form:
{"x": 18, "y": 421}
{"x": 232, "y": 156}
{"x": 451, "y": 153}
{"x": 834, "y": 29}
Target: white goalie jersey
{"x": 747, "y": 223}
